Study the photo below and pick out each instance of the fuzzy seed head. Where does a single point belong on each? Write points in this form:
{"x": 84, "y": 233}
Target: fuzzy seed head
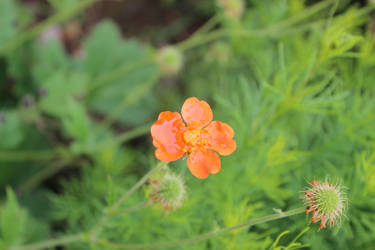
{"x": 170, "y": 60}
{"x": 327, "y": 202}
{"x": 169, "y": 191}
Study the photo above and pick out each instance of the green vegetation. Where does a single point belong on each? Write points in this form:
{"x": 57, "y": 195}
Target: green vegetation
{"x": 295, "y": 80}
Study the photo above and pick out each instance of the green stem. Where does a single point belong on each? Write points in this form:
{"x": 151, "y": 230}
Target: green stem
{"x": 27, "y": 155}
{"x": 117, "y": 73}
{"x": 37, "y": 29}
{"x": 222, "y": 33}
{"x": 279, "y": 28}
{"x": 135, "y": 187}
{"x": 124, "y": 137}
{"x": 114, "y": 208}
{"x": 51, "y": 243}
{"x": 136, "y": 207}
{"x": 133, "y": 133}
{"x": 46, "y": 173}
{"x": 204, "y": 236}
{"x": 210, "y": 24}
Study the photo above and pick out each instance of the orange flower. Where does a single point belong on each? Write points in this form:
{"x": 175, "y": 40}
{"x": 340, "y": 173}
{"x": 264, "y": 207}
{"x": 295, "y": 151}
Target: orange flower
{"x": 197, "y": 139}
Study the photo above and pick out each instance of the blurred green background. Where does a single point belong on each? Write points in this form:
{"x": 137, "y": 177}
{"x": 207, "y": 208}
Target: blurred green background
{"x": 81, "y": 82}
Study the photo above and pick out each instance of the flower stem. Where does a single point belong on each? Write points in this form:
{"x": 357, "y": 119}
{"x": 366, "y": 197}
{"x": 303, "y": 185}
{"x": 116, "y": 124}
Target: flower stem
{"x": 28, "y": 155}
{"x": 280, "y": 28}
{"x": 204, "y": 236}
{"x": 135, "y": 187}
{"x": 82, "y": 237}
{"x": 51, "y": 243}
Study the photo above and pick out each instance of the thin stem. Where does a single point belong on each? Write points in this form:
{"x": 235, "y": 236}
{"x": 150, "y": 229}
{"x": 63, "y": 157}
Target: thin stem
{"x": 114, "y": 208}
{"x": 136, "y": 207}
{"x": 27, "y": 155}
{"x": 46, "y": 173}
{"x": 124, "y": 137}
{"x": 197, "y": 40}
{"x": 135, "y": 188}
{"x": 51, "y": 243}
{"x": 37, "y": 29}
{"x": 117, "y": 73}
{"x": 133, "y": 133}
{"x": 204, "y": 236}
{"x": 210, "y": 24}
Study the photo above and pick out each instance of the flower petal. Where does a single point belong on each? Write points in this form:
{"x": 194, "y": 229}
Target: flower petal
{"x": 167, "y": 136}
{"x": 196, "y": 113}
{"x": 219, "y": 137}
{"x": 202, "y": 163}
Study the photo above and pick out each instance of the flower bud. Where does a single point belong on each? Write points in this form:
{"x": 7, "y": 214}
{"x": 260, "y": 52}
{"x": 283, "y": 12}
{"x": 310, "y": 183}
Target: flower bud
{"x": 2, "y": 118}
{"x": 28, "y": 101}
{"x": 327, "y": 202}
{"x": 170, "y": 60}
{"x": 42, "y": 92}
{"x": 220, "y": 53}
{"x": 233, "y": 9}
{"x": 168, "y": 190}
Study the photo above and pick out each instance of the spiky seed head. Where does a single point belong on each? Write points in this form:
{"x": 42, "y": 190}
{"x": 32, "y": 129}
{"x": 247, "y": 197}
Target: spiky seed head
{"x": 233, "y": 9}
{"x": 327, "y": 202}
{"x": 168, "y": 190}
{"x": 170, "y": 60}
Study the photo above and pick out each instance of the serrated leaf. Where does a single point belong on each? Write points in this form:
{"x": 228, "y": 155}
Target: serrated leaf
{"x": 60, "y": 90}
{"x": 116, "y": 64}
{"x": 49, "y": 57}
{"x": 12, "y": 221}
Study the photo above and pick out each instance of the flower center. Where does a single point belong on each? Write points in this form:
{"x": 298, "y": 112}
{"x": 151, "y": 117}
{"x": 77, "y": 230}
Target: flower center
{"x": 193, "y": 139}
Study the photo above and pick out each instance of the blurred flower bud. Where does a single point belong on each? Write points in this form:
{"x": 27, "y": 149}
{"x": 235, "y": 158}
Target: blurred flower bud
{"x": 326, "y": 202}
{"x": 2, "y": 118}
{"x": 51, "y": 33}
{"x": 233, "y": 9}
{"x": 170, "y": 60}
{"x": 42, "y": 92}
{"x": 27, "y": 101}
{"x": 219, "y": 53}
{"x": 168, "y": 190}
{"x": 72, "y": 30}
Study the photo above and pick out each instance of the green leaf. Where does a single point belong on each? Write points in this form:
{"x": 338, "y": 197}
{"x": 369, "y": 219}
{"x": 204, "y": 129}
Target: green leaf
{"x": 49, "y": 56}
{"x": 12, "y": 221}
{"x": 8, "y": 18}
{"x": 17, "y": 227}
{"x": 121, "y": 73}
{"x": 78, "y": 125}
{"x": 106, "y": 51}
{"x": 61, "y": 88}
{"x": 11, "y": 131}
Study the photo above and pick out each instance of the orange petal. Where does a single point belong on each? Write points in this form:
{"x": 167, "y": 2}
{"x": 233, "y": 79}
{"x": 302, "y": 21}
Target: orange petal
{"x": 167, "y": 134}
{"x": 203, "y": 163}
{"x": 219, "y": 137}
{"x": 196, "y": 113}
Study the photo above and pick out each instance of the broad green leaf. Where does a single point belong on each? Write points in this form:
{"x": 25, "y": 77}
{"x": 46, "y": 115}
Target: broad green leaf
{"x": 78, "y": 126}
{"x": 124, "y": 82}
{"x": 49, "y": 56}
{"x": 60, "y": 89}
